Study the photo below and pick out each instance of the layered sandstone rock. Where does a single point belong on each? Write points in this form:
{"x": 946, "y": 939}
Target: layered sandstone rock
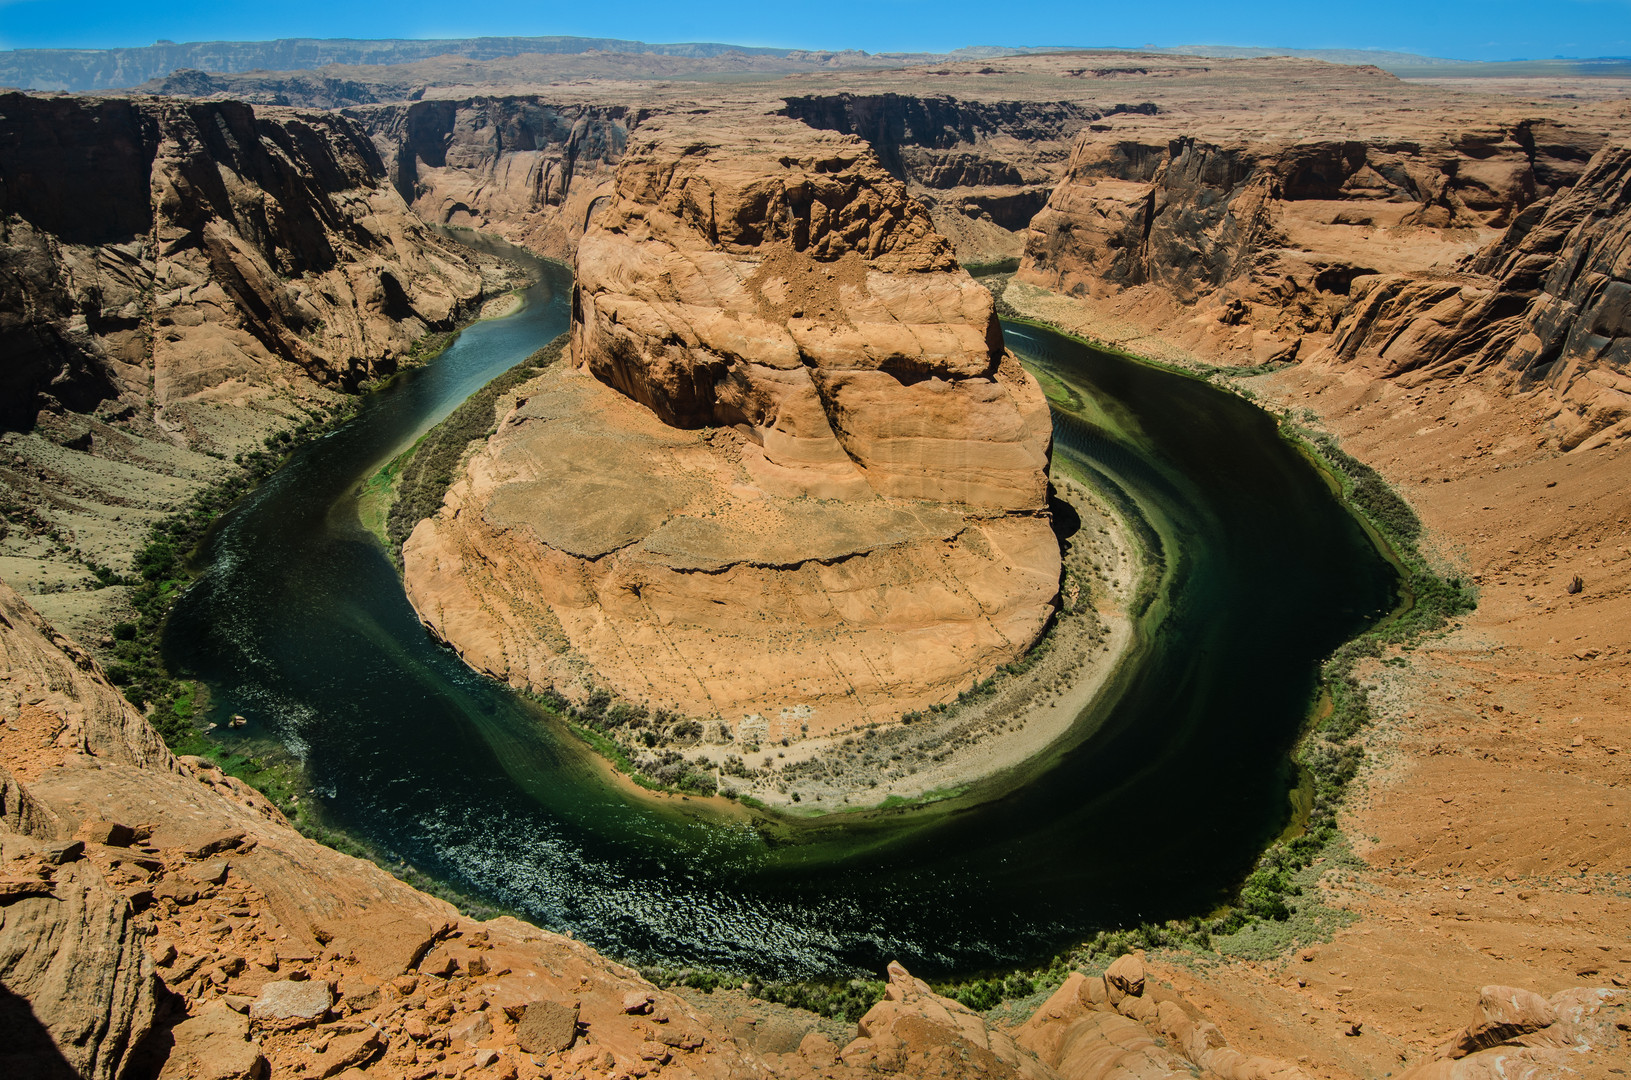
{"x": 523, "y": 167}
{"x": 822, "y": 491}
{"x": 156, "y": 252}
{"x": 1547, "y": 306}
{"x": 1267, "y": 236}
{"x": 982, "y": 168}
{"x": 1439, "y": 252}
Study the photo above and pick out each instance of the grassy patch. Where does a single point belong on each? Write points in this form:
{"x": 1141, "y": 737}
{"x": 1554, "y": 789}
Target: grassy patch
{"x": 636, "y": 741}
{"x": 840, "y": 999}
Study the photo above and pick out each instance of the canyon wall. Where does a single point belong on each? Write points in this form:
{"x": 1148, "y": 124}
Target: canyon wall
{"x": 789, "y": 472}
{"x": 987, "y": 161}
{"x": 155, "y": 251}
{"x": 1543, "y": 308}
{"x": 522, "y": 167}
{"x": 1451, "y": 253}
{"x": 982, "y": 168}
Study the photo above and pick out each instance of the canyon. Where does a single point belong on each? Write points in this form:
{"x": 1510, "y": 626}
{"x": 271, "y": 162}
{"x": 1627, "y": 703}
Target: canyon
{"x": 1433, "y": 276}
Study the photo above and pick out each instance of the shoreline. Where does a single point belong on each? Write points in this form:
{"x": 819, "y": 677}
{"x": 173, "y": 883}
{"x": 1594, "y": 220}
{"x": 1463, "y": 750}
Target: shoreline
{"x": 995, "y": 728}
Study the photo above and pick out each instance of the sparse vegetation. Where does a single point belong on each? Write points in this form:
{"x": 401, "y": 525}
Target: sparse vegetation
{"x": 842, "y": 999}
{"x": 415, "y": 482}
{"x": 161, "y": 574}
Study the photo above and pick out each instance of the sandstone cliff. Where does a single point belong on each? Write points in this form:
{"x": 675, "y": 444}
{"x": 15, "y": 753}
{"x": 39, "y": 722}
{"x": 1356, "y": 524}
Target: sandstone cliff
{"x": 1544, "y": 307}
{"x": 982, "y": 168}
{"x": 178, "y": 282}
{"x": 1266, "y": 237}
{"x": 822, "y": 495}
{"x": 525, "y": 168}
{"x": 155, "y": 251}
{"x": 1455, "y": 255}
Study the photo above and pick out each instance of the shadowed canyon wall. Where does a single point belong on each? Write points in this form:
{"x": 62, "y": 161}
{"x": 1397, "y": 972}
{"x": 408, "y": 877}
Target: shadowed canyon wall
{"x": 152, "y": 251}
{"x": 521, "y": 167}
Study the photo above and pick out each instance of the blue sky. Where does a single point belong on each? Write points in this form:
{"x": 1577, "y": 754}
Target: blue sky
{"x": 1486, "y": 30}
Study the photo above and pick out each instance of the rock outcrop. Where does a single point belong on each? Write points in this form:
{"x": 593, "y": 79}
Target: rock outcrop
{"x": 983, "y": 168}
{"x": 190, "y": 932}
{"x": 155, "y": 251}
{"x": 1451, "y": 254}
{"x": 822, "y": 492}
{"x": 522, "y": 167}
{"x": 1274, "y": 233}
{"x": 1547, "y": 306}
{"x": 1517, "y": 1032}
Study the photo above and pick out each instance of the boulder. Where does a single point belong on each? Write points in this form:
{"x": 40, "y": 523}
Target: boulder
{"x": 547, "y": 1027}
{"x": 214, "y": 1045}
{"x": 1127, "y": 975}
{"x": 471, "y": 1029}
{"x": 306, "y": 1001}
{"x": 107, "y": 833}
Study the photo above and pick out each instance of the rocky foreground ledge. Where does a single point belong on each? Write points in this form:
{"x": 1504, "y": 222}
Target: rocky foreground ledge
{"x": 790, "y": 476}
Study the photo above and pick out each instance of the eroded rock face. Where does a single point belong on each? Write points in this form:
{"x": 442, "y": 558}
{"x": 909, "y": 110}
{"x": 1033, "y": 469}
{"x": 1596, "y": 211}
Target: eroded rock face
{"x": 1548, "y": 305}
{"x": 822, "y": 489}
{"x": 154, "y": 251}
{"x": 1427, "y": 254}
{"x": 525, "y": 168}
{"x": 787, "y": 288}
{"x": 76, "y": 983}
{"x": 1286, "y": 224}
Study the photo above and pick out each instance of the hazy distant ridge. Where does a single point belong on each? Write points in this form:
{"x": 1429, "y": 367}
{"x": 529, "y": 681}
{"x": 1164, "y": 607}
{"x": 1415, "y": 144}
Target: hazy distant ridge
{"x": 102, "y": 69}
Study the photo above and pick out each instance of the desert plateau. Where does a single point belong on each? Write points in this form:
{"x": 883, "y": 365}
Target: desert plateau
{"x": 565, "y": 558}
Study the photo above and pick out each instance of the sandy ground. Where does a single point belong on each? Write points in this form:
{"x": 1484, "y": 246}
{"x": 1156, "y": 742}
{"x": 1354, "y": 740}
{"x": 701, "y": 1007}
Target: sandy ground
{"x": 1022, "y": 716}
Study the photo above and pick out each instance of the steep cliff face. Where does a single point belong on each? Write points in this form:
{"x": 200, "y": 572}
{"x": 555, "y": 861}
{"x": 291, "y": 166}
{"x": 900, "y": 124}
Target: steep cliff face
{"x": 1266, "y": 239}
{"x": 522, "y": 167}
{"x": 823, "y": 488}
{"x": 983, "y": 168}
{"x": 791, "y": 288}
{"x": 1547, "y": 306}
{"x": 152, "y": 252}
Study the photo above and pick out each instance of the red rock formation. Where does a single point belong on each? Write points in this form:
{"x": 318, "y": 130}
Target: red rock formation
{"x": 1268, "y": 236}
{"x": 522, "y": 167}
{"x": 155, "y": 250}
{"x": 831, "y": 494}
{"x": 1548, "y": 305}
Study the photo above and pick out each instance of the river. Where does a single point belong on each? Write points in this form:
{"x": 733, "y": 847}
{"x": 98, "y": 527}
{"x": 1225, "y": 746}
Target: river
{"x": 1153, "y": 808}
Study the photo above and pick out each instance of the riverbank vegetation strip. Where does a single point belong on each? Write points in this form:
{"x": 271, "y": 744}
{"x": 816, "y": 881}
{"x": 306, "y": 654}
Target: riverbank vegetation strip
{"x": 412, "y": 486}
